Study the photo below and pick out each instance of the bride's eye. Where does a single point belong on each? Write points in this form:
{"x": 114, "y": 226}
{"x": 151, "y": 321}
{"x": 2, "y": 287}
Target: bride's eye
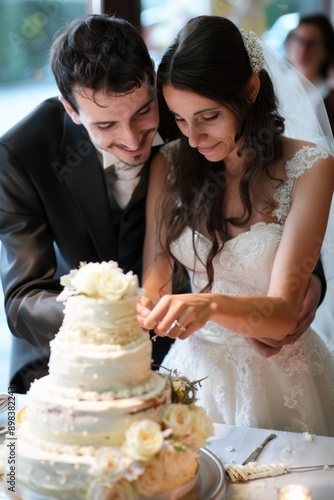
{"x": 209, "y": 118}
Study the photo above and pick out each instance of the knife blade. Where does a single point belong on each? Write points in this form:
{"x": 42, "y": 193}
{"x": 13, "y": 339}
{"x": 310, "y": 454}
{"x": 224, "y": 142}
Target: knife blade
{"x": 253, "y": 456}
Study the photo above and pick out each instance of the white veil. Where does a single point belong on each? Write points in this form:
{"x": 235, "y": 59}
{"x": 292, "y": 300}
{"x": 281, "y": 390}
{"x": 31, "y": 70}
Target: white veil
{"x": 300, "y": 102}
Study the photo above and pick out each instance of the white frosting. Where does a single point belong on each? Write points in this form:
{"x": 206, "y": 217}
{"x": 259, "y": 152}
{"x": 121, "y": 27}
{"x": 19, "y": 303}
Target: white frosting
{"x": 76, "y": 422}
{"x": 70, "y": 477}
{"x": 54, "y": 476}
{"x": 100, "y": 349}
{"x": 100, "y": 384}
{"x": 99, "y": 321}
{"x": 253, "y": 470}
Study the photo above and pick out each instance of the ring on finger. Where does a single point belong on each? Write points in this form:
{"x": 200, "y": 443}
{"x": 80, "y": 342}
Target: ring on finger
{"x": 177, "y": 324}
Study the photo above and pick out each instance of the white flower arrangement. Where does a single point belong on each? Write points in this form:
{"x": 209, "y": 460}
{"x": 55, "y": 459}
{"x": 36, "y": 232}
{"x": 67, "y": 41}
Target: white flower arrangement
{"x": 154, "y": 458}
{"x": 100, "y": 280}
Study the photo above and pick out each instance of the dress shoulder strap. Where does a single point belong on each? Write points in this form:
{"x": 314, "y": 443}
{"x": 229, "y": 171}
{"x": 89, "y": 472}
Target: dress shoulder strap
{"x": 303, "y": 160}
{"x": 170, "y": 151}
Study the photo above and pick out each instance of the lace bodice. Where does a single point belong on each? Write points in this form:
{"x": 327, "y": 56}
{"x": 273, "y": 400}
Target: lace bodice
{"x": 249, "y": 256}
{"x": 303, "y": 160}
{"x": 245, "y": 264}
{"x": 292, "y": 390}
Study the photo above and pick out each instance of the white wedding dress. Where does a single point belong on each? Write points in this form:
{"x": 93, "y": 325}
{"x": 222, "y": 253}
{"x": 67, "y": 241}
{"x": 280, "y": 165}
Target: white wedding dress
{"x": 293, "y": 390}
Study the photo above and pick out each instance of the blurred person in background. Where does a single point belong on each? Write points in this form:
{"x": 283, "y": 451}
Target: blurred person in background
{"x": 310, "y": 49}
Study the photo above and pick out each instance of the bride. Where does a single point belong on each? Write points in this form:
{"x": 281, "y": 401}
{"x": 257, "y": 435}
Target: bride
{"x": 242, "y": 201}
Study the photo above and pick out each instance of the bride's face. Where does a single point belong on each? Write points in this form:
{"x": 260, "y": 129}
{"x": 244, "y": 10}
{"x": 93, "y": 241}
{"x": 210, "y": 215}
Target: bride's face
{"x": 210, "y": 127}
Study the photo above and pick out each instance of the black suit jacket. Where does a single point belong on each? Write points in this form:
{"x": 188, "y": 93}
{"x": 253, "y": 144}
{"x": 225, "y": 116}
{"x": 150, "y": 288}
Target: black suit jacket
{"x": 55, "y": 213}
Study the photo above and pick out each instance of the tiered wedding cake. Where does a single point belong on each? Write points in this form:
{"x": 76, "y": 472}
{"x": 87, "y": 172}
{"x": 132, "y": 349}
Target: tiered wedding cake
{"x": 102, "y": 425}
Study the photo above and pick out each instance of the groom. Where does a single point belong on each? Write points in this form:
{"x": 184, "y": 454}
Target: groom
{"x": 73, "y": 184}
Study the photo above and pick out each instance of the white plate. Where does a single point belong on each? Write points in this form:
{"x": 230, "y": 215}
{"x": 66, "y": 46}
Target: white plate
{"x": 212, "y": 481}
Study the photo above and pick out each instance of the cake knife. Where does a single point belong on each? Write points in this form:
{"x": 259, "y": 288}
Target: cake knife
{"x": 253, "y": 456}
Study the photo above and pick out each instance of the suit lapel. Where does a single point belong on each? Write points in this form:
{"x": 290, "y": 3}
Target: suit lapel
{"x": 82, "y": 173}
{"x": 83, "y": 176}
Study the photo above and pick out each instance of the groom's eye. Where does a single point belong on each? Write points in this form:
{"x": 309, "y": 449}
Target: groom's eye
{"x": 144, "y": 111}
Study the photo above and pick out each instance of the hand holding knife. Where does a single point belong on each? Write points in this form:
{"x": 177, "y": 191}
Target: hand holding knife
{"x": 253, "y": 456}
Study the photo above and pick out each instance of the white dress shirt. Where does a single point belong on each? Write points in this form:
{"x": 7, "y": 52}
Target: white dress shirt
{"x": 122, "y": 178}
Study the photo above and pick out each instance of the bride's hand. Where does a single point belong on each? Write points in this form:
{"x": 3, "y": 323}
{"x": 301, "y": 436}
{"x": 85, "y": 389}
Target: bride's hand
{"x": 178, "y": 316}
{"x": 144, "y": 307}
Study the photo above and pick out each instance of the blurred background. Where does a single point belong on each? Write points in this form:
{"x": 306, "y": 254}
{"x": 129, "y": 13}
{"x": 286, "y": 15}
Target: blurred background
{"x": 27, "y": 28}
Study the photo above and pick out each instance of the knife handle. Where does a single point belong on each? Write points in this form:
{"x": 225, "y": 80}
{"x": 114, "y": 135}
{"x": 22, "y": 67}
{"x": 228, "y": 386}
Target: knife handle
{"x": 253, "y": 456}
{"x": 269, "y": 438}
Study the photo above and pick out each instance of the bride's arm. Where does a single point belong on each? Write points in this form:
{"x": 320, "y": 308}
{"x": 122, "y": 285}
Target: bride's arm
{"x": 276, "y": 314}
{"x": 157, "y": 268}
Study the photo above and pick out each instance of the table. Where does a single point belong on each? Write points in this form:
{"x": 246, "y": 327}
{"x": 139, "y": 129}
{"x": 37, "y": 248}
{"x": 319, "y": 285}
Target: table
{"x": 234, "y": 444}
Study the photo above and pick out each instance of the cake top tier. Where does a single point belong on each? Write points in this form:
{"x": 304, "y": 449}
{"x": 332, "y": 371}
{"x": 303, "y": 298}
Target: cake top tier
{"x": 100, "y": 280}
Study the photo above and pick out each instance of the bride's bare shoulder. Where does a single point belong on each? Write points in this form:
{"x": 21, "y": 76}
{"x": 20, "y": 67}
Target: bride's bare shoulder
{"x": 292, "y": 146}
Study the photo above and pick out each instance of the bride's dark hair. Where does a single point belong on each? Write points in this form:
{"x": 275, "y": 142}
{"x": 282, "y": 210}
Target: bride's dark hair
{"x": 209, "y": 58}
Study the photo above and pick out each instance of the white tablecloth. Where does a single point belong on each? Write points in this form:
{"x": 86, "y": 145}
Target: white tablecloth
{"x": 234, "y": 444}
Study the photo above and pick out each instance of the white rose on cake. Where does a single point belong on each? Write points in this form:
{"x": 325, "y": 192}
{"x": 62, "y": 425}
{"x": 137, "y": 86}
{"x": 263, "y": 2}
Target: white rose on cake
{"x": 115, "y": 286}
{"x": 188, "y": 422}
{"x": 110, "y": 464}
{"x": 152, "y": 481}
{"x": 122, "y": 490}
{"x": 103, "y": 280}
{"x": 202, "y": 425}
{"x": 143, "y": 440}
{"x": 179, "y": 463}
{"x": 178, "y": 418}
{"x": 86, "y": 280}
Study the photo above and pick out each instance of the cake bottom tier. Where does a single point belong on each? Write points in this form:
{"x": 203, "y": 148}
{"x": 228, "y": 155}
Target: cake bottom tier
{"x": 43, "y": 475}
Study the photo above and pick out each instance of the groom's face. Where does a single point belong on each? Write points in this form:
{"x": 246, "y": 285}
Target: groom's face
{"x": 122, "y": 124}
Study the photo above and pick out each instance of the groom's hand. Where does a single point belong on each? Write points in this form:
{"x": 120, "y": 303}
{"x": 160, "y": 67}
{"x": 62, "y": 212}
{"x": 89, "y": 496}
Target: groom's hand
{"x": 268, "y": 347}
